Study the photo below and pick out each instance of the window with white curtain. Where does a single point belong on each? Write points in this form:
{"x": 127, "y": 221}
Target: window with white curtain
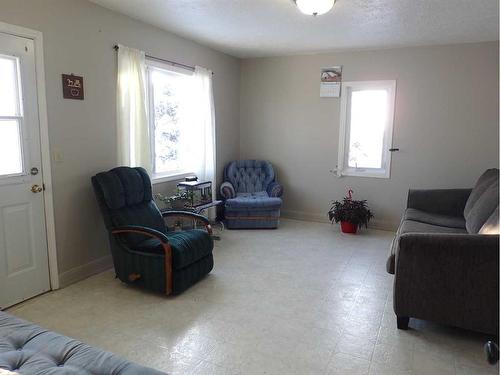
{"x": 366, "y": 122}
{"x": 165, "y": 117}
{"x": 169, "y": 92}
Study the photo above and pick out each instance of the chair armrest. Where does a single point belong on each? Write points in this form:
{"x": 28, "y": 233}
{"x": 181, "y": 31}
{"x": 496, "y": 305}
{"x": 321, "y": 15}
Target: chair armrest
{"x": 275, "y": 189}
{"x": 141, "y": 230}
{"x": 169, "y": 277}
{"x": 227, "y": 190}
{"x": 190, "y": 215}
{"x": 455, "y": 274}
{"x": 440, "y": 201}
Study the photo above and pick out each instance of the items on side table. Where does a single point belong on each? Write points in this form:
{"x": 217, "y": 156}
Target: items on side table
{"x": 445, "y": 257}
{"x": 144, "y": 253}
{"x": 199, "y": 193}
{"x": 252, "y": 196}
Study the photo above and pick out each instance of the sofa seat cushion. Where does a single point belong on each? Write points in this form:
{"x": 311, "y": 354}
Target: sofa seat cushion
{"x": 187, "y": 247}
{"x": 411, "y": 226}
{"x": 254, "y": 201}
{"x": 435, "y": 219}
{"x": 28, "y": 349}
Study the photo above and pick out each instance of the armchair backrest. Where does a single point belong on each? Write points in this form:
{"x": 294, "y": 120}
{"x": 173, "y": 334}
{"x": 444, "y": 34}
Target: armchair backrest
{"x": 125, "y": 197}
{"x": 249, "y": 176}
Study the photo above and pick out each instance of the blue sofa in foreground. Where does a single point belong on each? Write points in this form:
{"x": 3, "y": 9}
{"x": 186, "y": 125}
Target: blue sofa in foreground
{"x": 252, "y": 195}
{"x": 28, "y": 349}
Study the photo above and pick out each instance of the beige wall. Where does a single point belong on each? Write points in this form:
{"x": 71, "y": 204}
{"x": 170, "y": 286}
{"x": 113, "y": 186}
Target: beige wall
{"x": 78, "y": 38}
{"x": 446, "y": 123}
{"x": 446, "y": 117}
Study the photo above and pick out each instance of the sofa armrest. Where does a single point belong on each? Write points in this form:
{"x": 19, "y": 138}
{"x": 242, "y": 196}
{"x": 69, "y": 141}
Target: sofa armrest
{"x": 275, "y": 189}
{"x": 448, "y": 278}
{"x": 227, "y": 190}
{"x": 440, "y": 201}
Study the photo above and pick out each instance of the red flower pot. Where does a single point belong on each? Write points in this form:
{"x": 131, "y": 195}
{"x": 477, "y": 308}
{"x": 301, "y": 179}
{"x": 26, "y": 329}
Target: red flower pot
{"x": 348, "y": 227}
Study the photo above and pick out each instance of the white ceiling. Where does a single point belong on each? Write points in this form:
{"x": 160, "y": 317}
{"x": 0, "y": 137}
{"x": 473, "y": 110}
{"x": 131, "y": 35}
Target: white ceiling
{"x": 253, "y": 28}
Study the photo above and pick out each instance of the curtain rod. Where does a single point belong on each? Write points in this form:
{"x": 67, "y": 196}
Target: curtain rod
{"x": 173, "y": 63}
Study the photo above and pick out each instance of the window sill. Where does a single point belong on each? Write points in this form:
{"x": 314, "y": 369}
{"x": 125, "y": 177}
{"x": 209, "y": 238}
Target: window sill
{"x": 364, "y": 173}
{"x": 169, "y": 178}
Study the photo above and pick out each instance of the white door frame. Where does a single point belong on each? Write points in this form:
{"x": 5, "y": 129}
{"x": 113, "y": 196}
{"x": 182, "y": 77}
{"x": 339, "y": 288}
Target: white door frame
{"x": 37, "y": 38}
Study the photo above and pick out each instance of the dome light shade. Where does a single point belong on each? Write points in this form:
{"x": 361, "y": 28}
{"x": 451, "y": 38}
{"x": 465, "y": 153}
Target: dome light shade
{"x": 314, "y": 7}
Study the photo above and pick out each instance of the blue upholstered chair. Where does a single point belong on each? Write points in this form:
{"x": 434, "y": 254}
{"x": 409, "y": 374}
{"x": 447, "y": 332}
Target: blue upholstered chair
{"x": 252, "y": 195}
{"x": 144, "y": 253}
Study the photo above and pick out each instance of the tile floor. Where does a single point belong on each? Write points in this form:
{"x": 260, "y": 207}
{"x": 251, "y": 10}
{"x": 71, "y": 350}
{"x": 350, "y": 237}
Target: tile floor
{"x": 303, "y": 299}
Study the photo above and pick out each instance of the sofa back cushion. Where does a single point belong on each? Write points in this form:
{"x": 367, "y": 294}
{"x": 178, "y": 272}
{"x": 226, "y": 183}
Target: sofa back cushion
{"x": 491, "y": 226}
{"x": 482, "y": 184}
{"x": 482, "y": 209}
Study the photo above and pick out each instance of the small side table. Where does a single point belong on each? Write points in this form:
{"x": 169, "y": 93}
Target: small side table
{"x": 199, "y": 210}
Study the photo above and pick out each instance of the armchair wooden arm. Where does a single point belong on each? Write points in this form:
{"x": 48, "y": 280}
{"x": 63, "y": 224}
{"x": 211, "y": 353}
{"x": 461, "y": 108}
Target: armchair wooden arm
{"x": 148, "y": 232}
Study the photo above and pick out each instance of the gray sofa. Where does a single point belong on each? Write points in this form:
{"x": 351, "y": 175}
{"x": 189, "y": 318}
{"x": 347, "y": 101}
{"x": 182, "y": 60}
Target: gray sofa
{"x": 445, "y": 257}
{"x": 28, "y": 349}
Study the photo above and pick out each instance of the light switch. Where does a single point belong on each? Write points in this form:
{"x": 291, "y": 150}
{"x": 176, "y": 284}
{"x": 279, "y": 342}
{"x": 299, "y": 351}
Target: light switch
{"x": 58, "y": 156}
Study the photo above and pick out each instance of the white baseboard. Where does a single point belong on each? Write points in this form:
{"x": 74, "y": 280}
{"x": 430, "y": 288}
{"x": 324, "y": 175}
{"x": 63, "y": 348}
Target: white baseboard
{"x": 86, "y": 270}
{"x": 309, "y": 216}
{"x": 305, "y": 216}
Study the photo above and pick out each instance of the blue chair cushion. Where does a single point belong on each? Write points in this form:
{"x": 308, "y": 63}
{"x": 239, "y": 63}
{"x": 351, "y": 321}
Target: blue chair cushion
{"x": 249, "y": 176}
{"x": 187, "y": 247}
{"x": 254, "y": 201}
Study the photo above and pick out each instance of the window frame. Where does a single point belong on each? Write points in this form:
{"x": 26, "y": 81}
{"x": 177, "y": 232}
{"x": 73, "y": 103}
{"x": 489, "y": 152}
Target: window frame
{"x": 152, "y": 65}
{"x": 343, "y": 168}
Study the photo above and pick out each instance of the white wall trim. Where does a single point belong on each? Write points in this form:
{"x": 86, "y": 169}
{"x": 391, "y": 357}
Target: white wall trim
{"x": 322, "y": 218}
{"x": 85, "y": 270}
{"x": 37, "y": 38}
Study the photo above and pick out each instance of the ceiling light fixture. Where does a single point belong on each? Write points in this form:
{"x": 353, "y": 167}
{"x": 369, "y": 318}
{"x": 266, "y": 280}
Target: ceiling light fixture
{"x": 314, "y": 7}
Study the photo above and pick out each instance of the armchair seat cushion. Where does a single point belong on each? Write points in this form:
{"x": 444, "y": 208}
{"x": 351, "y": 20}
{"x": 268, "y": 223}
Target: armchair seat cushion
{"x": 435, "y": 219}
{"x": 188, "y": 247}
{"x": 254, "y": 201}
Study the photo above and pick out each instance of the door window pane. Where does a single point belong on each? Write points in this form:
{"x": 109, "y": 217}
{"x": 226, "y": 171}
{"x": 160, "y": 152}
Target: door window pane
{"x": 9, "y": 92}
{"x": 367, "y": 128}
{"x": 11, "y": 161}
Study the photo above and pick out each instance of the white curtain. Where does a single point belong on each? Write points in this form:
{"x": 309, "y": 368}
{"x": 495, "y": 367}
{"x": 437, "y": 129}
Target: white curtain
{"x": 131, "y": 110}
{"x": 202, "y": 138}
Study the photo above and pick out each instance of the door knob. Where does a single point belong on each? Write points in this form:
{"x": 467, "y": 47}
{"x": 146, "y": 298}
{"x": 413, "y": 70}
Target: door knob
{"x": 36, "y": 189}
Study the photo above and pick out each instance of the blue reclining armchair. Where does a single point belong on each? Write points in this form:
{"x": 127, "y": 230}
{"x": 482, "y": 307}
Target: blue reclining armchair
{"x": 144, "y": 253}
{"x": 252, "y": 195}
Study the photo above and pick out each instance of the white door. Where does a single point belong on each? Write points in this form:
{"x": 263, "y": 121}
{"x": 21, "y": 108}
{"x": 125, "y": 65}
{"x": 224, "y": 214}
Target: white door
{"x": 24, "y": 270}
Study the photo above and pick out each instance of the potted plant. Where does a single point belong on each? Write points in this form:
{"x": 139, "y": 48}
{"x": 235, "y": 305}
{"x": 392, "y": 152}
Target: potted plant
{"x": 351, "y": 214}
